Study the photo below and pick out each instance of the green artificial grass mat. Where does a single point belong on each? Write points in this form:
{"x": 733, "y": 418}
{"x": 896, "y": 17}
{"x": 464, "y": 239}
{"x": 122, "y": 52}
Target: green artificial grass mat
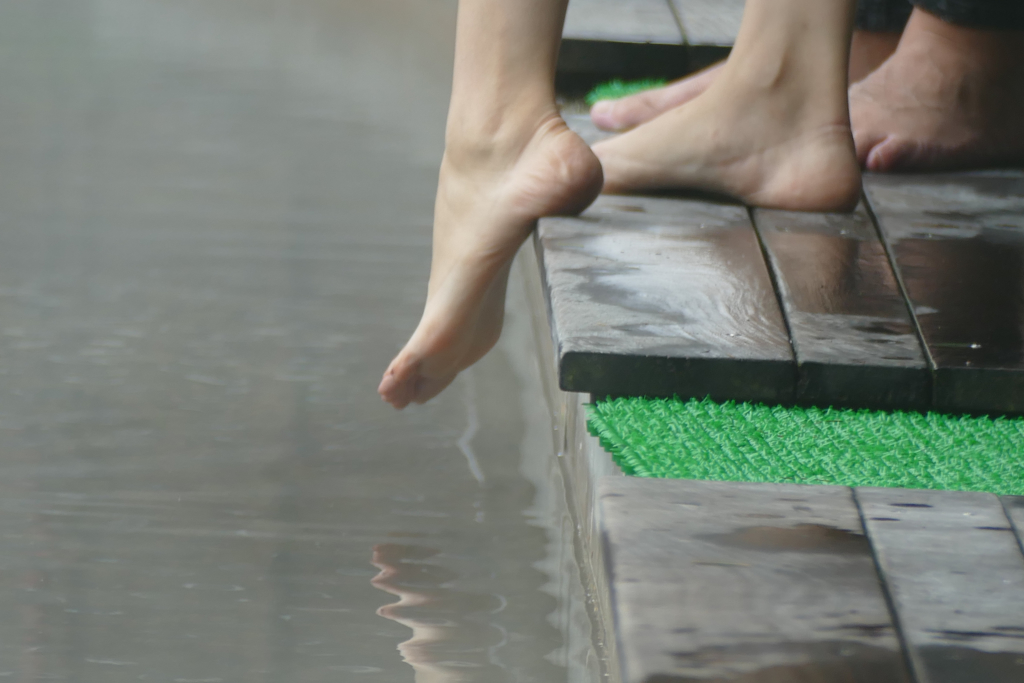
{"x": 613, "y": 90}
{"x": 729, "y": 441}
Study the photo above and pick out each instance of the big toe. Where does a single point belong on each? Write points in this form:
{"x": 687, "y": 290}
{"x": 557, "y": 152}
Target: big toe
{"x": 603, "y": 114}
{"x": 618, "y": 115}
{"x": 405, "y": 382}
{"x": 891, "y": 153}
{"x": 398, "y": 386}
{"x": 865, "y": 139}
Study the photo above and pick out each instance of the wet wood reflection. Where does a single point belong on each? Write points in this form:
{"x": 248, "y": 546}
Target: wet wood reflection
{"x": 958, "y": 243}
{"x": 852, "y": 333}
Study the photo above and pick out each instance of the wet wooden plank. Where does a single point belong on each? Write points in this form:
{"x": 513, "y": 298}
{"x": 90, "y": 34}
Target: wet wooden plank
{"x": 628, "y": 39}
{"x": 624, "y": 21}
{"x": 852, "y": 333}
{"x": 955, "y": 573}
{"x": 710, "y": 22}
{"x": 719, "y": 581}
{"x": 657, "y": 296}
{"x": 958, "y": 243}
{"x": 583, "y": 64}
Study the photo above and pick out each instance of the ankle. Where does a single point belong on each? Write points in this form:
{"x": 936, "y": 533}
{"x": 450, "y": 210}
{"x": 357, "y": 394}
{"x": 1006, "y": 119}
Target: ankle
{"x": 789, "y": 92}
{"x": 482, "y": 138}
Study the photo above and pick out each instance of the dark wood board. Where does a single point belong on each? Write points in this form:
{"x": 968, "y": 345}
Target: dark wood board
{"x": 634, "y": 39}
{"x": 622, "y": 21}
{"x": 852, "y": 333}
{"x": 958, "y": 244}
{"x": 709, "y": 22}
{"x": 955, "y": 574}
{"x": 584, "y": 64}
{"x": 629, "y": 39}
{"x": 749, "y": 583}
{"x": 657, "y": 296}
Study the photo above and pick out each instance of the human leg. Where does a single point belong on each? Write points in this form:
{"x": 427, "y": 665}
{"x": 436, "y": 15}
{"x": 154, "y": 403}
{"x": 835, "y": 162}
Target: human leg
{"x": 509, "y": 159}
{"x": 950, "y": 96}
{"x": 878, "y": 27}
{"x": 772, "y": 130}
{"x": 868, "y": 50}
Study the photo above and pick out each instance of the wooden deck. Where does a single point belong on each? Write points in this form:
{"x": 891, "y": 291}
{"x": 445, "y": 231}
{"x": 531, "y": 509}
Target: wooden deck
{"x": 643, "y": 39}
{"x": 763, "y": 583}
{"x": 915, "y": 300}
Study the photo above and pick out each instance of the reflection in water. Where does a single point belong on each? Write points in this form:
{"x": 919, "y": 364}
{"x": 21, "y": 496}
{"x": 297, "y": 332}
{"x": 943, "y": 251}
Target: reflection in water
{"x": 843, "y": 300}
{"x": 452, "y": 641}
{"x": 215, "y": 233}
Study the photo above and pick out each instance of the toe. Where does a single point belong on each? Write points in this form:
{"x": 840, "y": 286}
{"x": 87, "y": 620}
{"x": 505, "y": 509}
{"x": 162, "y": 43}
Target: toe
{"x": 603, "y": 115}
{"x": 628, "y": 112}
{"x": 864, "y": 141}
{"x": 398, "y": 394}
{"x": 398, "y": 386}
{"x": 890, "y": 154}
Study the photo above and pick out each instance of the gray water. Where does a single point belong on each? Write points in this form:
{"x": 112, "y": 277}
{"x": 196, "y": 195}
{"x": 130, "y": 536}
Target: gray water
{"x": 214, "y": 234}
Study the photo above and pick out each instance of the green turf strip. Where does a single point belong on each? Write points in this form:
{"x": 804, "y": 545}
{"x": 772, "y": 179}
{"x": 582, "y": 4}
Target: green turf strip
{"x": 613, "y": 90}
{"x": 743, "y": 442}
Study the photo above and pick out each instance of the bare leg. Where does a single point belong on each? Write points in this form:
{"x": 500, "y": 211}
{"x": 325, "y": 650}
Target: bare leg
{"x": 868, "y": 50}
{"x": 509, "y": 159}
{"x": 950, "y": 97}
{"x": 772, "y": 130}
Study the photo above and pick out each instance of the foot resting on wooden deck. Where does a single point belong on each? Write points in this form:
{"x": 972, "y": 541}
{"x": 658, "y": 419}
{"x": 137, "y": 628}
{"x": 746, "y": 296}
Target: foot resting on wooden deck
{"x": 949, "y": 98}
{"x": 772, "y": 130}
{"x": 509, "y": 159}
{"x": 868, "y": 51}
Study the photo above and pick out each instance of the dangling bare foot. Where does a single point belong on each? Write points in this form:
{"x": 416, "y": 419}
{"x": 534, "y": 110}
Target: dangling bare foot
{"x": 772, "y": 130}
{"x": 950, "y": 97}
{"x": 509, "y": 159}
{"x": 488, "y": 200}
{"x": 867, "y": 51}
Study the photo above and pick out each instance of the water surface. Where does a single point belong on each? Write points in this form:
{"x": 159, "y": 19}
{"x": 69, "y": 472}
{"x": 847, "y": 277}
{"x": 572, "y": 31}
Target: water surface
{"x": 214, "y": 234}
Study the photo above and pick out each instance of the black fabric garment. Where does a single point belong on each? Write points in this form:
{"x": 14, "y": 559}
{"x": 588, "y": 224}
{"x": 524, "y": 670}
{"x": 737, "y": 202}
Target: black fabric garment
{"x": 891, "y": 15}
{"x": 883, "y": 15}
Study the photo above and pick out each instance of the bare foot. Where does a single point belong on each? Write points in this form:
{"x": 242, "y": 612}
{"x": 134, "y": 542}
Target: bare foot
{"x": 868, "y": 50}
{"x": 768, "y": 144}
{"x": 488, "y": 201}
{"x": 629, "y": 112}
{"x": 950, "y": 97}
